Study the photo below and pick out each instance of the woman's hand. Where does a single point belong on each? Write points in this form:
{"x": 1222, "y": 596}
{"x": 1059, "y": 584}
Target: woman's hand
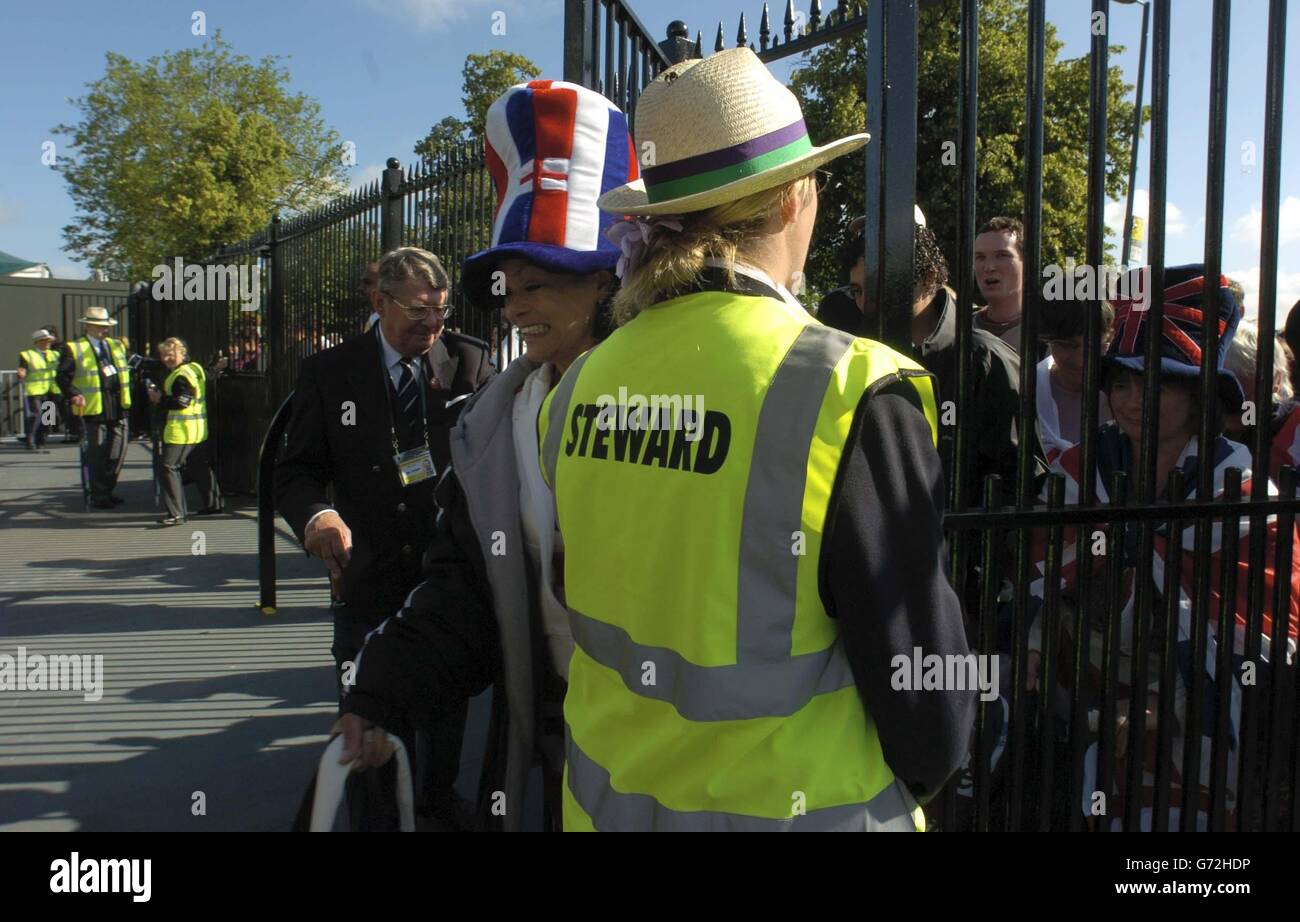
{"x": 364, "y": 744}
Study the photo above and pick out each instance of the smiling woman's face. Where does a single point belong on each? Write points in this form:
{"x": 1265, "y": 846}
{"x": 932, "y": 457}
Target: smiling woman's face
{"x": 554, "y": 311}
{"x": 1124, "y": 390}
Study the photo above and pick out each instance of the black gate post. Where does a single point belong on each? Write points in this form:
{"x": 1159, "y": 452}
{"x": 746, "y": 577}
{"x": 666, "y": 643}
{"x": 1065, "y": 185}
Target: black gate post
{"x": 579, "y": 66}
{"x": 274, "y": 327}
{"x": 390, "y": 227}
{"x": 891, "y": 166}
{"x": 274, "y": 321}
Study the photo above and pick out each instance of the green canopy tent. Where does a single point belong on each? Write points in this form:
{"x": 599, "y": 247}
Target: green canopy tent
{"x": 10, "y": 264}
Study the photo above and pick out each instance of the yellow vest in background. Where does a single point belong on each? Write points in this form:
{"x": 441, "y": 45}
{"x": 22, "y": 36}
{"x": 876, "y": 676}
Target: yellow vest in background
{"x": 42, "y": 367}
{"x": 709, "y": 689}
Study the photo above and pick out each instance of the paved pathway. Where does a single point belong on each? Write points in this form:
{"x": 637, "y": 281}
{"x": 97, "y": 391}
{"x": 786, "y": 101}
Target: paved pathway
{"x": 201, "y": 692}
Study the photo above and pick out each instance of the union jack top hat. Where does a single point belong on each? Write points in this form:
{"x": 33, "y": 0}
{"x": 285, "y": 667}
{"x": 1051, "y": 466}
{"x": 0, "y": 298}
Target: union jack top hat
{"x": 1182, "y": 342}
{"x": 553, "y": 148}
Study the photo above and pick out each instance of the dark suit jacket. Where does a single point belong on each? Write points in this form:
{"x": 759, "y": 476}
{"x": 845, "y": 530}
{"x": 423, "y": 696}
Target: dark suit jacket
{"x": 391, "y": 524}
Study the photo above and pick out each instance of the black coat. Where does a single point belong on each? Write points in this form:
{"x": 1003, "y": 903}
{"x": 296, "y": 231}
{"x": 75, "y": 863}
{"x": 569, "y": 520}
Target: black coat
{"x": 995, "y": 399}
{"x": 391, "y": 524}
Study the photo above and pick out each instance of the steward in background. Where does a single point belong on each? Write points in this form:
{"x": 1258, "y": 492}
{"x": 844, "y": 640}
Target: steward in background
{"x": 94, "y": 372}
{"x": 184, "y": 397}
{"x": 37, "y": 368}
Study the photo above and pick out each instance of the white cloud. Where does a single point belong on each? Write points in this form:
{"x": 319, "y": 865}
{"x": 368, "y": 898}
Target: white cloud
{"x": 1288, "y": 291}
{"x": 1247, "y": 227}
{"x": 367, "y": 174}
{"x": 1175, "y": 222}
{"x": 69, "y": 271}
{"x": 425, "y": 15}
{"x": 10, "y": 212}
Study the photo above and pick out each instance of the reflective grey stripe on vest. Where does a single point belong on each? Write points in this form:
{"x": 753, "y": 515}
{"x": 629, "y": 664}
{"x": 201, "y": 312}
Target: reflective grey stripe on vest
{"x": 773, "y": 511}
{"x": 766, "y": 680}
{"x": 557, "y": 415}
{"x": 614, "y": 811}
{"x": 706, "y": 693}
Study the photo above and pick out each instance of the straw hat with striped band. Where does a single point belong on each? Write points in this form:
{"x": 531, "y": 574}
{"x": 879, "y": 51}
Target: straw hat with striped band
{"x": 714, "y": 130}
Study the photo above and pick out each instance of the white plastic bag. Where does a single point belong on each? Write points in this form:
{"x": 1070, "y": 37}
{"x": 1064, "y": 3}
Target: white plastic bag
{"x": 331, "y": 778}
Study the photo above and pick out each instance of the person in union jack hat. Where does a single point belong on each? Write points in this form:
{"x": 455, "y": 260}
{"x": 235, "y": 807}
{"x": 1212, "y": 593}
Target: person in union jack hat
{"x": 489, "y": 613}
{"x": 1177, "y": 445}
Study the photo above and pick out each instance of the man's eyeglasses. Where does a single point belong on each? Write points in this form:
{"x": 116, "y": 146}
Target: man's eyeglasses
{"x": 823, "y": 179}
{"x": 421, "y": 311}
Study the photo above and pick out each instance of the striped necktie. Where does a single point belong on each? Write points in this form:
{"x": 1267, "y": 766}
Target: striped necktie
{"x": 408, "y": 401}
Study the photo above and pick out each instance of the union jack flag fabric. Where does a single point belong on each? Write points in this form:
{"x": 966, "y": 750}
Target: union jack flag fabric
{"x": 1284, "y": 449}
{"x": 1182, "y": 328}
{"x": 1115, "y": 453}
{"x": 553, "y": 148}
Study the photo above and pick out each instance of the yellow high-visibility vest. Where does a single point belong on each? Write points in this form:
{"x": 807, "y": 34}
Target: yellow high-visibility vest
{"x": 42, "y": 368}
{"x": 86, "y": 378}
{"x": 693, "y": 455}
{"x": 190, "y": 425}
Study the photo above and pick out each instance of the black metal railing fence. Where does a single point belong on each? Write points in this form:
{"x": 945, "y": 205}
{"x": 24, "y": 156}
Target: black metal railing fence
{"x": 1047, "y": 748}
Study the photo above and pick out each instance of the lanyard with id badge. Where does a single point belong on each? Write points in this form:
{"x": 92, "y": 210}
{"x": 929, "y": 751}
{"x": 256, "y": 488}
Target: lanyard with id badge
{"x": 414, "y": 465}
{"x": 106, "y": 366}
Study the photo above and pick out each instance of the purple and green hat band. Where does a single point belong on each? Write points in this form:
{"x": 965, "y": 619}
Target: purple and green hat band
{"x": 717, "y": 168}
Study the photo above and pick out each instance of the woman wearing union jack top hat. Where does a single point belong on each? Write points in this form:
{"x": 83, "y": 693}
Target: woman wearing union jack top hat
{"x": 491, "y": 611}
{"x": 1177, "y": 449}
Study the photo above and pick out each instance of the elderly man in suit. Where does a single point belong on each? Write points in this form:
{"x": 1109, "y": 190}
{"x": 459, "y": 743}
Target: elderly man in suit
{"x": 371, "y": 421}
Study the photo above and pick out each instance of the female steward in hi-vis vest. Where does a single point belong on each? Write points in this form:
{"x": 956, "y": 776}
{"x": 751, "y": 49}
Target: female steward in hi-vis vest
{"x": 552, "y": 149}
{"x": 184, "y": 397}
{"x": 750, "y": 504}
{"x": 37, "y": 368}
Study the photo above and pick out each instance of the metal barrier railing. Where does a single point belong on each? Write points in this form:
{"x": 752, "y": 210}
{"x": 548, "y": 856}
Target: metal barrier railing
{"x": 12, "y": 417}
{"x": 266, "y": 505}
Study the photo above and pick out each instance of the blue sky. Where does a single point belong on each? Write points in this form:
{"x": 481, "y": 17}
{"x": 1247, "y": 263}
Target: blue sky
{"x": 385, "y": 70}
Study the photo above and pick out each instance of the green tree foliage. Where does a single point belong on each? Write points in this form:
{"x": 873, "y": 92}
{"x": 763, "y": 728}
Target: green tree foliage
{"x": 831, "y": 85}
{"x": 454, "y": 216}
{"x": 483, "y": 78}
{"x": 187, "y": 151}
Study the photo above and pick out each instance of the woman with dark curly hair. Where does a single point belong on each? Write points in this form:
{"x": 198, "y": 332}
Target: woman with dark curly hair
{"x": 491, "y": 609}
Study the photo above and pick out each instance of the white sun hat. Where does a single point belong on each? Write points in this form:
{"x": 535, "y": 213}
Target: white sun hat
{"x": 98, "y": 315}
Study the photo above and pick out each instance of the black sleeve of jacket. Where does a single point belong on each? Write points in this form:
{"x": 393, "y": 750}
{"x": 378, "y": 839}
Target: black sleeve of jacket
{"x": 443, "y": 646}
{"x": 182, "y": 395}
{"x": 67, "y": 371}
{"x": 997, "y": 397}
{"x": 486, "y": 370}
{"x": 22, "y": 360}
{"x": 303, "y": 471}
{"x": 883, "y": 565}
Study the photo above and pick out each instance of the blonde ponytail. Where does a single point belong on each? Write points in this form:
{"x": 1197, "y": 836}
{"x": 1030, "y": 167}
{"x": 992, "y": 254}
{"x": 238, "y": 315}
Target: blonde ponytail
{"x": 673, "y": 260}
